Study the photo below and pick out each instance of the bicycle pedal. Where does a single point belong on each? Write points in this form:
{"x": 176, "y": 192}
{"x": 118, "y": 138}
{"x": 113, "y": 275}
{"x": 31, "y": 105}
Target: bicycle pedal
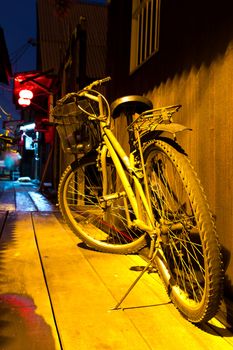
{"x": 137, "y": 268}
{"x": 152, "y": 269}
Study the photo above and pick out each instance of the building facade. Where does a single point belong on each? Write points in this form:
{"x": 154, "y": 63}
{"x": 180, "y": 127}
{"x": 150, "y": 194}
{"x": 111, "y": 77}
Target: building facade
{"x": 192, "y": 65}
{"x": 72, "y": 41}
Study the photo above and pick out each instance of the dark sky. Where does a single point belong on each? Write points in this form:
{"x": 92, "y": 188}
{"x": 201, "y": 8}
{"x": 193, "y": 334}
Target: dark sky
{"x": 18, "y": 20}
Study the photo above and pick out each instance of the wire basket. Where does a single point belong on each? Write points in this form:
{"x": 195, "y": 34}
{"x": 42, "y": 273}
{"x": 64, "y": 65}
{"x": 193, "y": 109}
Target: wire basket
{"x": 77, "y": 133}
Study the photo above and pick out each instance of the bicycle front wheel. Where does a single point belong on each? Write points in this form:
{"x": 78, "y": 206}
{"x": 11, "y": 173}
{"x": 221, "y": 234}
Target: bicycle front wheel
{"x": 100, "y": 222}
{"x": 188, "y": 259}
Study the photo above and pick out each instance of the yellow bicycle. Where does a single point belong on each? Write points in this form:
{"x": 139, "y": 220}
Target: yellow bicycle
{"x": 120, "y": 203}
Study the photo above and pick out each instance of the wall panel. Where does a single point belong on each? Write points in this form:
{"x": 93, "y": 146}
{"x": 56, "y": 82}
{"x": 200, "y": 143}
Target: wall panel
{"x": 206, "y": 95}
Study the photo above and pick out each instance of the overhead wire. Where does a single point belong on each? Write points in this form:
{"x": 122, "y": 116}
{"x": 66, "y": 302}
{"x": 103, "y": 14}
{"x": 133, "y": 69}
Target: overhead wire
{"x": 16, "y": 52}
{"x": 20, "y": 54}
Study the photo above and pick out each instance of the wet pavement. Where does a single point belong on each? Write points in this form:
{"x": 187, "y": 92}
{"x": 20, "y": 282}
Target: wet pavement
{"x": 55, "y": 293}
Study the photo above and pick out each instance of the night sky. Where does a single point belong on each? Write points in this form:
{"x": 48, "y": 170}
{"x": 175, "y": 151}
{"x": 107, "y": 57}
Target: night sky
{"x": 18, "y": 20}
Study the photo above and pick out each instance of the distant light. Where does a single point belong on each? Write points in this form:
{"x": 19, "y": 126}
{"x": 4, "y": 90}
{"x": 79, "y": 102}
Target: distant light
{"x": 24, "y": 102}
{"x": 26, "y": 94}
{"x": 27, "y": 127}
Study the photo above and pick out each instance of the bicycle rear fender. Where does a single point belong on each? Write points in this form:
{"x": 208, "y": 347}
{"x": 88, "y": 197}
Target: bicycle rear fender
{"x": 172, "y": 128}
{"x": 158, "y": 129}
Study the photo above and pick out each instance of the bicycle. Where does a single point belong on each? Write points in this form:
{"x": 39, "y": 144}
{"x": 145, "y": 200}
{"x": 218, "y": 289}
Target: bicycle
{"x": 119, "y": 203}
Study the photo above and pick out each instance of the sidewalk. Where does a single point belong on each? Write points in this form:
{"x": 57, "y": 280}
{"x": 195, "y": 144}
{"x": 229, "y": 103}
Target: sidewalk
{"x": 23, "y": 196}
{"x": 57, "y": 294}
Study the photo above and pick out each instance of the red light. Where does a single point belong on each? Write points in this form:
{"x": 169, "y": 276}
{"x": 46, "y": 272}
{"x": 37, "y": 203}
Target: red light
{"x": 24, "y": 102}
{"x": 27, "y": 94}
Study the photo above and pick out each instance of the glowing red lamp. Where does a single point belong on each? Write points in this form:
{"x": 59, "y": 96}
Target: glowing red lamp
{"x": 24, "y": 102}
{"x": 28, "y": 94}
{"x": 25, "y": 97}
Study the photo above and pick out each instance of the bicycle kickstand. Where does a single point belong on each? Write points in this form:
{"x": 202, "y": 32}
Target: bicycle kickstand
{"x": 152, "y": 254}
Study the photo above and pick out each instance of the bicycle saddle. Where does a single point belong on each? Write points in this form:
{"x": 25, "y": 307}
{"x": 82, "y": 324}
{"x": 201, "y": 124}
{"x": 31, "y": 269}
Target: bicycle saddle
{"x": 130, "y": 105}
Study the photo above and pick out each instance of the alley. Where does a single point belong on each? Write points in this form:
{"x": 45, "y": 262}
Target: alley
{"x": 55, "y": 293}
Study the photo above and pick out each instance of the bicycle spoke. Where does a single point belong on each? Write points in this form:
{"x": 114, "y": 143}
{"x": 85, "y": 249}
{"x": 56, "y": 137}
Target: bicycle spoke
{"x": 171, "y": 205}
{"x": 86, "y": 208}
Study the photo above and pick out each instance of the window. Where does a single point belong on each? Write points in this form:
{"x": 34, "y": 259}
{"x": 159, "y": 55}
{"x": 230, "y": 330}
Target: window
{"x": 144, "y": 31}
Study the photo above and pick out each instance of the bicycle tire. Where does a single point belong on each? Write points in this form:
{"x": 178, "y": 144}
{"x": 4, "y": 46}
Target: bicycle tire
{"x": 188, "y": 258}
{"x": 79, "y": 197}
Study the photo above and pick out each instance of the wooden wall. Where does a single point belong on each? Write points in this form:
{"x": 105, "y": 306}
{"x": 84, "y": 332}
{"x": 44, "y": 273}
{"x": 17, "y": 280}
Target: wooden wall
{"x": 206, "y": 94}
{"x": 194, "y": 67}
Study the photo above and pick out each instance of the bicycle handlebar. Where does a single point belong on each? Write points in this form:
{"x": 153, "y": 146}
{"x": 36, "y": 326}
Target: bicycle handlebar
{"x": 88, "y": 87}
{"x": 97, "y": 82}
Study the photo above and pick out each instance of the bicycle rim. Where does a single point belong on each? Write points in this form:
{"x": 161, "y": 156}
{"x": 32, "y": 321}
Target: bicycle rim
{"x": 188, "y": 259}
{"x": 100, "y": 223}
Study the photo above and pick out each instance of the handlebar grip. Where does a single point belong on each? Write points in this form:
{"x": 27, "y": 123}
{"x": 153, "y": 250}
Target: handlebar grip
{"x": 97, "y": 82}
{"x": 104, "y": 80}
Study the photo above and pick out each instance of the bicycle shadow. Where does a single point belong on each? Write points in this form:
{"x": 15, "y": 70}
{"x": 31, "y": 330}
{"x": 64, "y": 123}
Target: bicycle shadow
{"x": 83, "y": 245}
{"x": 216, "y": 330}
{"x": 228, "y": 288}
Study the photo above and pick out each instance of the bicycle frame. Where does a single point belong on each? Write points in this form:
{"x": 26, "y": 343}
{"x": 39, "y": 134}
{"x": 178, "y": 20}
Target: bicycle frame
{"x": 119, "y": 157}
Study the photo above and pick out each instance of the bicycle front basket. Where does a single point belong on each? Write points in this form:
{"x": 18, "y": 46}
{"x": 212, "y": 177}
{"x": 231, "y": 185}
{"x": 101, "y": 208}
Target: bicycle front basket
{"x": 77, "y": 133}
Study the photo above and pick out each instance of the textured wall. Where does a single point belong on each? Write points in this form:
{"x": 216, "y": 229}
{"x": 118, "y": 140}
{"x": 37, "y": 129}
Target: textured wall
{"x": 193, "y": 67}
{"x": 206, "y": 94}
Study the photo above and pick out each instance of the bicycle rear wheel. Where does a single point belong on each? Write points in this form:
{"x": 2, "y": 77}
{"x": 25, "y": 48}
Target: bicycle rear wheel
{"x": 188, "y": 259}
{"x": 100, "y": 223}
